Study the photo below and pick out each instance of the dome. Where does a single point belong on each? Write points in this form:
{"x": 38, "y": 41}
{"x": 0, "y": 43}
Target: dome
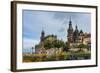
{"x": 76, "y": 32}
{"x": 81, "y": 31}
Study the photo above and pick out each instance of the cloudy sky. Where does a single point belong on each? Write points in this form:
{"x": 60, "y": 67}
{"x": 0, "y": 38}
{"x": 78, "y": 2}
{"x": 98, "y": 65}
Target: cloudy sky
{"x": 52, "y": 23}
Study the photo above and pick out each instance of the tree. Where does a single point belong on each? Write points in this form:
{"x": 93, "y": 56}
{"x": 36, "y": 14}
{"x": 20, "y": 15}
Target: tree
{"x": 82, "y": 46}
{"x": 48, "y": 44}
{"x": 58, "y": 43}
{"x": 55, "y": 43}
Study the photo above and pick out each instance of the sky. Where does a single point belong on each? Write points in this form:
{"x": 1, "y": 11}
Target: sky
{"x": 51, "y": 22}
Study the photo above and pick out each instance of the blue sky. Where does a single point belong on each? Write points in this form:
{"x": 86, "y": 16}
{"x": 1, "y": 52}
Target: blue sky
{"x": 52, "y": 23}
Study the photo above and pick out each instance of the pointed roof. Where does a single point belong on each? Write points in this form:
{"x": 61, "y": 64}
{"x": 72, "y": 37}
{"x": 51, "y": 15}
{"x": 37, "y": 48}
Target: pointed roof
{"x": 70, "y": 25}
{"x": 76, "y": 32}
{"x": 81, "y": 31}
{"x": 70, "y": 22}
{"x": 76, "y": 29}
{"x": 42, "y": 32}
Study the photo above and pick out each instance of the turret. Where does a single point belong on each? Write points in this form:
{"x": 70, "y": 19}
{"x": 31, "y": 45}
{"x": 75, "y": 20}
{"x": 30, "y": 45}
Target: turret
{"x": 42, "y": 36}
{"x": 70, "y": 32}
{"x": 76, "y": 34}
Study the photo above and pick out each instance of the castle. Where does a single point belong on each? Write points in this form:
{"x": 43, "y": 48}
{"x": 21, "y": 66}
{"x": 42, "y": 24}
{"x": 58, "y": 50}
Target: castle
{"x": 76, "y": 37}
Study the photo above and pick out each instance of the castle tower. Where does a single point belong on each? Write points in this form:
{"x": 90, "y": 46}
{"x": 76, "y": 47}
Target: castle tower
{"x": 42, "y": 36}
{"x": 70, "y": 32}
{"x": 81, "y": 36}
{"x": 76, "y": 35}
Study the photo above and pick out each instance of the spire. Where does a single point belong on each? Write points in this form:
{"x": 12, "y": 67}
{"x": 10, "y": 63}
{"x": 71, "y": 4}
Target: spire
{"x": 70, "y": 18}
{"x": 42, "y": 35}
{"x": 42, "y": 32}
{"x": 70, "y": 22}
{"x": 70, "y": 25}
{"x": 70, "y": 29}
{"x": 76, "y": 32}
{"x": 76, "y": 26}
{"x": 76, "y": 29}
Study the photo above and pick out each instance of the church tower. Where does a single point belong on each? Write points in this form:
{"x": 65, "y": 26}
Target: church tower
{"x": 76, "y": 35}
{"x": 42, "y": 36}
{"x": 70, "y": 32}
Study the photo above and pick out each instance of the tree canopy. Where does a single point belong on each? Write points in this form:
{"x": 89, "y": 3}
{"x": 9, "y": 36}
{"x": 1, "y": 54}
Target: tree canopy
{"x": 53, "y": 42}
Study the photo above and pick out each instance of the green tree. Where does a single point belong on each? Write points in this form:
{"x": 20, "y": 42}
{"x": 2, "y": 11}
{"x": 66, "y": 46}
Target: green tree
{"x": 55, "y": 43}
{"x": 82, "y": 46}
{"x": 58, "y": 43}
{"x": 48, "y": 44}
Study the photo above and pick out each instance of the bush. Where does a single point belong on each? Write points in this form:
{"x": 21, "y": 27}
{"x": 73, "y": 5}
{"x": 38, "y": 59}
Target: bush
{"x": 51, "y": 58}
{"x": 57, "y": 57}
{"x": 82, "y": 55}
